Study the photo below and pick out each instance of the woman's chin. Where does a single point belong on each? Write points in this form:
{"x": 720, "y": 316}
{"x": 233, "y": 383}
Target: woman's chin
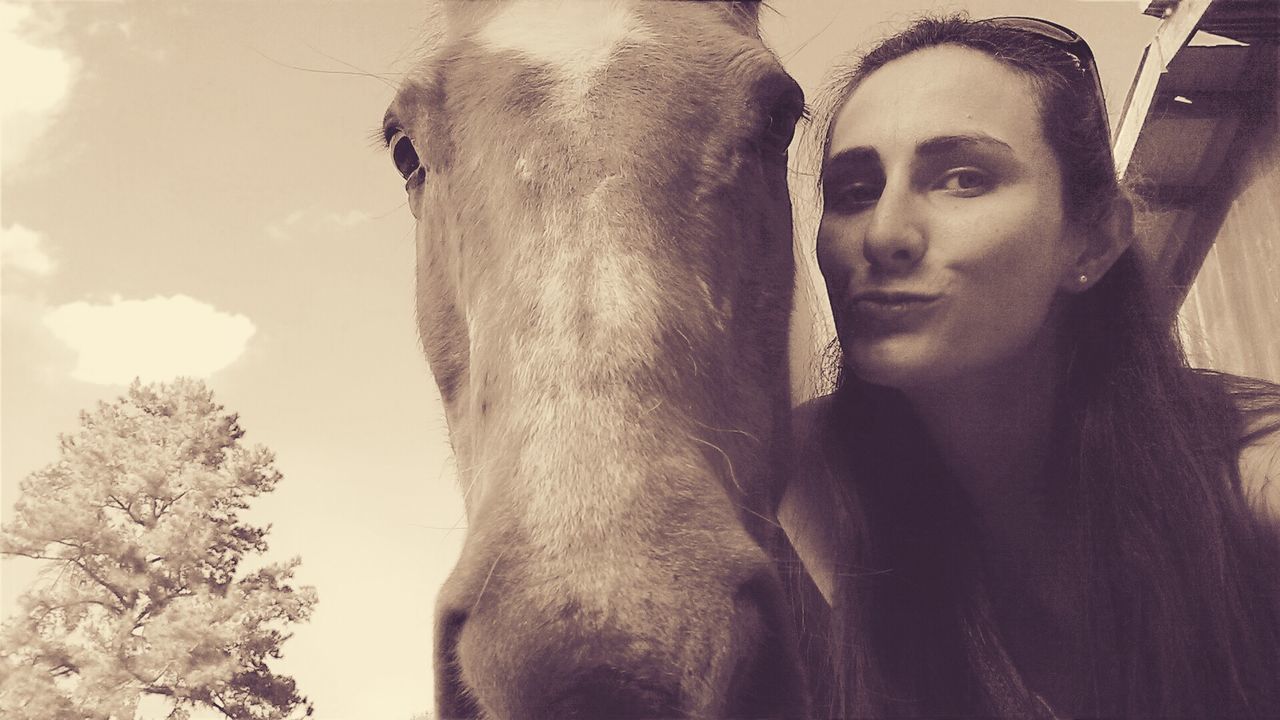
{"x": 894, "y": 365}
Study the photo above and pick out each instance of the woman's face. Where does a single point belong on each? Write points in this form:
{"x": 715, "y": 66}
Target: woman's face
{"x": 943, "y": 240}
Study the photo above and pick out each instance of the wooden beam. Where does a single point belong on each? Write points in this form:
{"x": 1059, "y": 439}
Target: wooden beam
{"x": 1177, "y": 27}
{"x": 1171, "y": 197}
{"x": 1134, "y": 115}
{"x": 1200, "y": 104}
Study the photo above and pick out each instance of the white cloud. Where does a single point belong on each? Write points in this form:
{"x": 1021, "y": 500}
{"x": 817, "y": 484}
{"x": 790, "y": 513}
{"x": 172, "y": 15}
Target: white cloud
{"x": 156, "y": 339}
{"x": 123, "y": 28}
{"x": 22, "y": 250}
{"x": 350, "y": 218}
{"x": 313, "y": 221}
{"x": 36, "y": 93}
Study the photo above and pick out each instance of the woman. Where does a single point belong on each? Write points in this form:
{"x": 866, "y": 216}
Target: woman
{"x": 1049, "y": 507}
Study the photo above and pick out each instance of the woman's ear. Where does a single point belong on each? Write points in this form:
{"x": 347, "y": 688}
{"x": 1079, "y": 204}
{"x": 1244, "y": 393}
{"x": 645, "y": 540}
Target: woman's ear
{"x": 1099, "y": 245}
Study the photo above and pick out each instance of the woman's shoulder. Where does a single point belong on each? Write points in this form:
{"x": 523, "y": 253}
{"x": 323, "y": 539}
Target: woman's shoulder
{"x": 809, "y": 418}
{"x": 1260, "y": 463}
{"x": 1258, "y": 405}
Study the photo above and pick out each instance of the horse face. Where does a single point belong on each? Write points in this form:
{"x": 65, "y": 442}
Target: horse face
{"x": 604, "y": 284}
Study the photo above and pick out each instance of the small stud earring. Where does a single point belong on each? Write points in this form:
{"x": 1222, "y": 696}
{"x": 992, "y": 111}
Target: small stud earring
{"x": 1084, "y": 279}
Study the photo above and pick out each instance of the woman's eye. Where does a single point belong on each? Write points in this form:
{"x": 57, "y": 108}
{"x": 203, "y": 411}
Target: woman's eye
{"x": 853, "y": 197}
{"x": 405, "y": 156}
{"x": 965, "y": 181}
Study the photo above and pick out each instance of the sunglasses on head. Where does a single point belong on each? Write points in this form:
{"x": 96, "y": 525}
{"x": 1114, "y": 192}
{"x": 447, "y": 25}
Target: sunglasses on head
{"x": 1063, "y": 37}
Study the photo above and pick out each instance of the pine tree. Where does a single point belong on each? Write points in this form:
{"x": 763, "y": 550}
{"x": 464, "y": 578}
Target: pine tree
{"x": 144, "y": 591}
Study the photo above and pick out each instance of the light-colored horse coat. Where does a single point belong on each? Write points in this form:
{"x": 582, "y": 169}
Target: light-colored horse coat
{"x": 604, "y": 283}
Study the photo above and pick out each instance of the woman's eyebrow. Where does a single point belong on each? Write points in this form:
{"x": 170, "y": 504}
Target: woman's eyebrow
{"x": 947, "y": 144}
{"x": 849, "y": 158}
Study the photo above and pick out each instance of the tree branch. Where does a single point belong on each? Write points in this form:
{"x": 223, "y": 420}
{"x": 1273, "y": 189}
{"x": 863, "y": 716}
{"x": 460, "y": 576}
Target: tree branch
{"x": 158, "y": 605}
{"x": 217, "y": 703}
{"x": 35, "y": 556}
{"x": 157, "y": 690}
{"x": 172, "y": 501}
{"x": 78, "y": 562}
{"x": 127, "y": 509}
{"x": 50, "y": 607}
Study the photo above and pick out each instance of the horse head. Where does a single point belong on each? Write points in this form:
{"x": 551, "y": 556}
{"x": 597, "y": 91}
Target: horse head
{"x": 604, "y": 281}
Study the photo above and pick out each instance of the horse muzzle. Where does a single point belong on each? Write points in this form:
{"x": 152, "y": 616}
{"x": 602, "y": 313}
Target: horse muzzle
{"x": 631, "y": 636}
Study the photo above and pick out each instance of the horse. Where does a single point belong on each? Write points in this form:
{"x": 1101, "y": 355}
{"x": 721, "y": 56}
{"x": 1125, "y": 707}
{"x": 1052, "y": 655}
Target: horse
{"x": 604, "y": 281}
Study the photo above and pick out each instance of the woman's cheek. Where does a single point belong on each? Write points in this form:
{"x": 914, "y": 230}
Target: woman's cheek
{"x": 837, "y": 249}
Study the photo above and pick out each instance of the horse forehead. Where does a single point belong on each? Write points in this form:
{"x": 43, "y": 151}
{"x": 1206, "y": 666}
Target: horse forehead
{"x": 575, "y": 40}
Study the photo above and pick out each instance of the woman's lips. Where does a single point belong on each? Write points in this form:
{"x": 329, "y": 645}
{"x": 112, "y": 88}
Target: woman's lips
{"x": 881, "y": 312}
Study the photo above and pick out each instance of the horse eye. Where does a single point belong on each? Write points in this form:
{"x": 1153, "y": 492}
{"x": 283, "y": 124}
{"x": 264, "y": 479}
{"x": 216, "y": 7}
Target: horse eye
{"x": 781, "y": 129}
{"x": 405, "y": 156}
{"x": 780, "y": 125}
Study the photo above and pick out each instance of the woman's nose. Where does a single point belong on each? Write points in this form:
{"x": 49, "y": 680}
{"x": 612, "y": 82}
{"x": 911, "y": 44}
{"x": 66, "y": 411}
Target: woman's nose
{"x": 894, "y": 239}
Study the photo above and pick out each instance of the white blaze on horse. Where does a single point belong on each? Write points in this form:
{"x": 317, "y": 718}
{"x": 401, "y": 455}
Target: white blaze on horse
{"x": 604, "y": 282}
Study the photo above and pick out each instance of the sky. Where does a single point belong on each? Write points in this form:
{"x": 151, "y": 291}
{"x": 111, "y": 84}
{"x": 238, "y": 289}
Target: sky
{"x": 190, "y": 189}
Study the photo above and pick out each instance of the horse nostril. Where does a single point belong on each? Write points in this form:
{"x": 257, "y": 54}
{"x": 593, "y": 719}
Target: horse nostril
{"x": 607, "y": 692}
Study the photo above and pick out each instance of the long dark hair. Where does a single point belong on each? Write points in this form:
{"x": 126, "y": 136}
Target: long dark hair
{"x": 1181, "y": 577}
